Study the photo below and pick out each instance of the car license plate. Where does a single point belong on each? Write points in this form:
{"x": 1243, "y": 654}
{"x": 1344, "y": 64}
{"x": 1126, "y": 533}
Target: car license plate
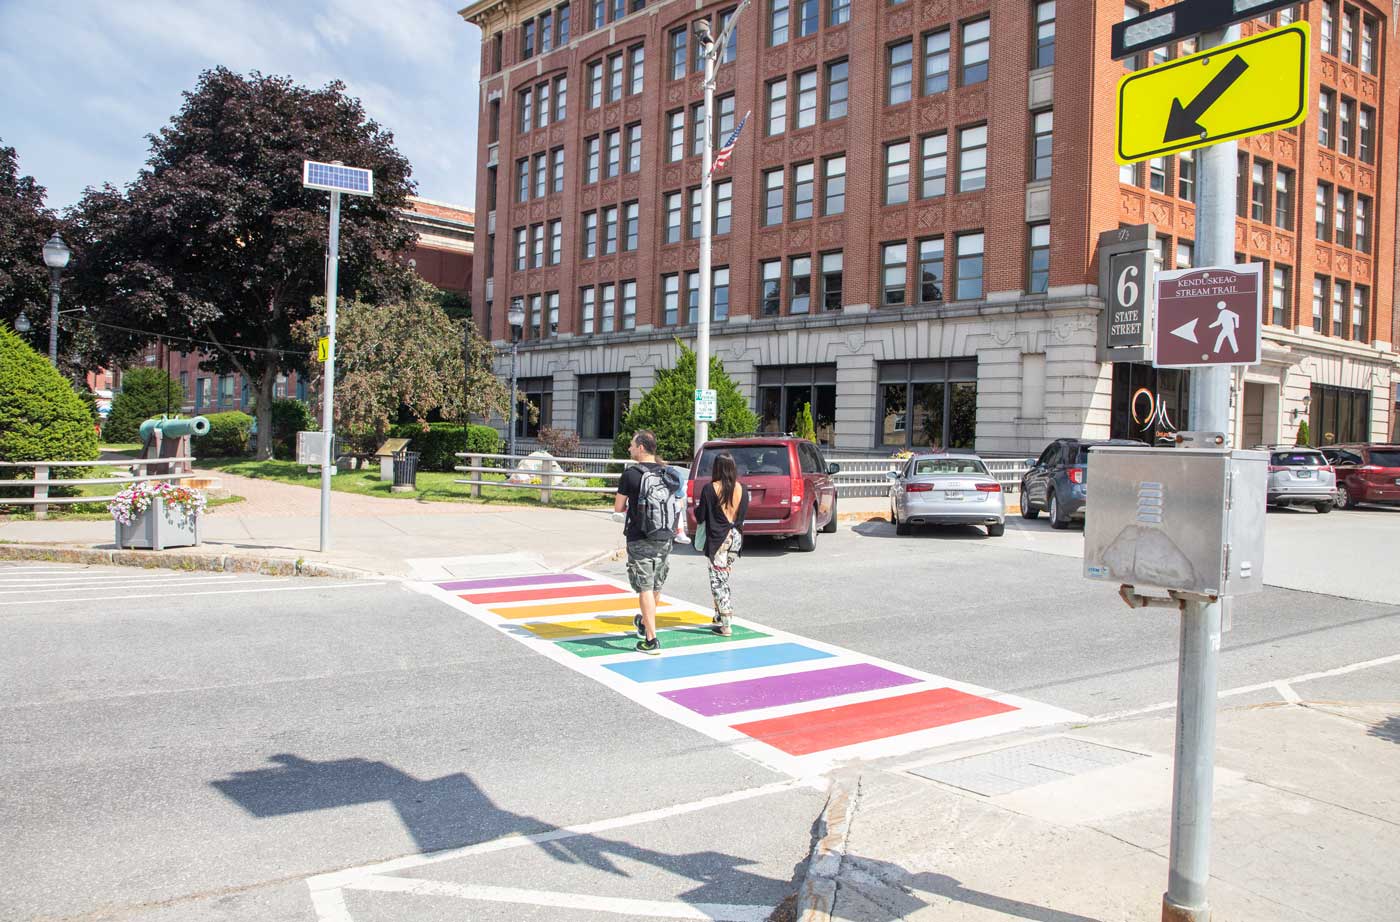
{"x": 1304, "y": 475}
{"x": 953, "y": 495}
{"x": 1397, "y": 481}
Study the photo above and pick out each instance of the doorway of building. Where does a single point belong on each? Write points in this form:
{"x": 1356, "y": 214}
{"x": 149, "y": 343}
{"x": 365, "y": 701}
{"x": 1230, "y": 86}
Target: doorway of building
{"x": 1252, "y": 426}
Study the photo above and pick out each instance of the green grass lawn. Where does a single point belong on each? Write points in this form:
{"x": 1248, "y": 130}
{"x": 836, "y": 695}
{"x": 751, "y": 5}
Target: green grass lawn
{"x": 432, "y": 486}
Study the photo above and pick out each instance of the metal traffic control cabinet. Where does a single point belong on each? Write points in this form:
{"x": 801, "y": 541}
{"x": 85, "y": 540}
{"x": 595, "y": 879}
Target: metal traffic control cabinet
{"x": 1187, "y": 520}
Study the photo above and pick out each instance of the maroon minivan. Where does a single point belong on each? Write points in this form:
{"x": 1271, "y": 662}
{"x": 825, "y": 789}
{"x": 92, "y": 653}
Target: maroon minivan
{"x": 1365, "y": 473}
{"x": 790, "y": 486}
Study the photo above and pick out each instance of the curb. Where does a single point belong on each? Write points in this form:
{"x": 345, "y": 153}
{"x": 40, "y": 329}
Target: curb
{"x": 816, "y": 897}
{"x": 180, "y": 560}
{"x": 614, "y": 554}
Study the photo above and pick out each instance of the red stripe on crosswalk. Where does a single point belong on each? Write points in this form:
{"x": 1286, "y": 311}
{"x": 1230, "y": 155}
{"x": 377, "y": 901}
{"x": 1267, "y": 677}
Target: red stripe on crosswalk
{"x": 536, "y": 595}
{"x": 831, "y": 728}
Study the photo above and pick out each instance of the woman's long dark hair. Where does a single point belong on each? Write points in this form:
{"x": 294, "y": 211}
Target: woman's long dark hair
{"x": 726, "y": 474}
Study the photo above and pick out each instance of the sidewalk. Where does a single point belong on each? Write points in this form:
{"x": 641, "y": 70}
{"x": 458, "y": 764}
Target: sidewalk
{"x": 1075, "y": 828}
{"x": 398, "y": 537}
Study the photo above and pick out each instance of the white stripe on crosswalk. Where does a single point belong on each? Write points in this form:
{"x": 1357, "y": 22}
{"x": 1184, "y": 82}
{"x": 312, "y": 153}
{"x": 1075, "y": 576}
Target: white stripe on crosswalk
{"x": 310, "y": 586}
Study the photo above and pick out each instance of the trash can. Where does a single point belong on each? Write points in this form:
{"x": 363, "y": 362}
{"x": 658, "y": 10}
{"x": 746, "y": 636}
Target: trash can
{"x": 405, "y": 471}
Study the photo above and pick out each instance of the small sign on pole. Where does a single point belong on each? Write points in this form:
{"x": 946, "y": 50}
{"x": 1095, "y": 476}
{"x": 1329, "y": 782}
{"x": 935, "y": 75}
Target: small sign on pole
{"x": 323, "y": 349}
{"x": 706, "y": 405}
{"x": 1208, "y": 317}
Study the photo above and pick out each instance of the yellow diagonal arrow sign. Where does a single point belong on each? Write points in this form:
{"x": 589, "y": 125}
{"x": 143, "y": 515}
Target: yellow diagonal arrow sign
{"x": 1253, "y": 86}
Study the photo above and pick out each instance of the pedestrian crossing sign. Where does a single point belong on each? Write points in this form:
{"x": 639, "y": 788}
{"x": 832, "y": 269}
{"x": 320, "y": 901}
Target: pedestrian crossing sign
{"x": 323, "y": 349}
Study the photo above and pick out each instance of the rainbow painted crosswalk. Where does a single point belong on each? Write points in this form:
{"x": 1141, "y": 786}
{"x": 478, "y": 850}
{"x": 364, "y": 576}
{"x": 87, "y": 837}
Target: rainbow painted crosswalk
{"x": 794, "y": 704}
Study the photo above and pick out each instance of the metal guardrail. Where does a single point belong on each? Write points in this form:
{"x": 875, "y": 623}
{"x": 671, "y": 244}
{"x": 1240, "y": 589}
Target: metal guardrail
{"x": 41, "y": 482}
{"x": 870, "y": 476}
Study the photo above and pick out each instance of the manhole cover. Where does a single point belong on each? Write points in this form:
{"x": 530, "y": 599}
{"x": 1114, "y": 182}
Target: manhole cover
{"x": 1017, "y": 767}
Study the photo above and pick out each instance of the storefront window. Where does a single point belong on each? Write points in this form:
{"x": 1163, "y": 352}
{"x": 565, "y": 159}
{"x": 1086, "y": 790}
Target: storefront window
{"x": 930, "y": 405}
{"x": 1149, "y": 404}
{"x": 784, "y": 390}
{"x": 539, "y": 394}
{"x": 602, "y": 402}
{"x": 1340, "y": 415}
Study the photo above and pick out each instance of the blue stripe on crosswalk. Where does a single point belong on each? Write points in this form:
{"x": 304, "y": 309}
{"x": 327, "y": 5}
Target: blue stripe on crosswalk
{"x": 679, "y": 667}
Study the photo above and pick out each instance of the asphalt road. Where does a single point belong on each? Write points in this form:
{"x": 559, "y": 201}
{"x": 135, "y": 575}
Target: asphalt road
{"x": 196, "y": 746}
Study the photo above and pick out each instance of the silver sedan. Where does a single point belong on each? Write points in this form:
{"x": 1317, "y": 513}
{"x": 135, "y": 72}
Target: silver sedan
{"x": 946, "y": 489}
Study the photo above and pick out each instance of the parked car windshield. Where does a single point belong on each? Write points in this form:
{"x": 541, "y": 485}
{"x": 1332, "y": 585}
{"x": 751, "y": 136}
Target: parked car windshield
{"x": 1389, "y": 457}
{"x": 1297, "y": 459}
{"x": 949, "y": 466}
{"x": 752, "y": 460}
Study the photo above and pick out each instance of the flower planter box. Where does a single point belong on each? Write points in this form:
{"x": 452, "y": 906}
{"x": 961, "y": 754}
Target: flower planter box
{"x": 158, "y": 528}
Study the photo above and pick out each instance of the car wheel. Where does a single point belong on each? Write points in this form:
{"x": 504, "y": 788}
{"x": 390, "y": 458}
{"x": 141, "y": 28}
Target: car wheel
{"x": 900, "y": 528}
{"x": 1028, "y": 509}
{"x": 830, "y": 527}
{"x": 1324, "y": 508}
{"x": 996, "y": 531}
{"x": 1343, "y": 500}
{"x": 1057, "y": 518}
{"x": 807, "y": 541}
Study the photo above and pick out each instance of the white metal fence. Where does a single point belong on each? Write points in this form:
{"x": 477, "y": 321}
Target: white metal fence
{"x": 42, "y": 482}
{"x": 870, "y": 476}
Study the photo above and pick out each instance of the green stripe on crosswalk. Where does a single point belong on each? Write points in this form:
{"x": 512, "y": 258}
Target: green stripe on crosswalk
{"x": 683, "y": 637}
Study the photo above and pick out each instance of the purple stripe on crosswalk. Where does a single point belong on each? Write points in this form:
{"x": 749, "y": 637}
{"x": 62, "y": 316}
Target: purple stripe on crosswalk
{"x": 772, "y": 691}
{"x": 505, "y": 581}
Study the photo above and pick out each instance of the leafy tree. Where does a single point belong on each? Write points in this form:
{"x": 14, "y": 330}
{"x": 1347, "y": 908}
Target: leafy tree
{"x": 290, "y": 416}
{"x": 405, "y": 354}
{"x": 24, "y": 226}
{"x": 217, "y": 240}
{"x": 668, "y": 409}
{"x": 806, "y": 429}
{"x": 145, "y": 393}
{"x": 1304, "y": 436}
{"x": 41, "y": 417}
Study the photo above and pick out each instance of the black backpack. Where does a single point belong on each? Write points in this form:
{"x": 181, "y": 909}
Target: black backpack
{"x": 656, "y": 502}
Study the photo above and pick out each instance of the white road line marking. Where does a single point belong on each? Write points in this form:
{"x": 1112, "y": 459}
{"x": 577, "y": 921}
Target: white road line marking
{"x": 1287, "y": 693}
{"x": 110, "y": 598}
{"x": 345, "y": 878}
{"x": 657, "y": 909}
{"x": 330, "y": 906}
{"x": 103, "y": 577}
{"x": 141, "y": 584}
{"x": 1259, "y": 686}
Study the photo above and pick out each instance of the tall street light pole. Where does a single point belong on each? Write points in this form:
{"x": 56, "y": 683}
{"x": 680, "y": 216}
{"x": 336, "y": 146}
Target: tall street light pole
{"x": 712, "y": 48}
{"x": 56, "y": 256}
{"x": 516, "y": 318}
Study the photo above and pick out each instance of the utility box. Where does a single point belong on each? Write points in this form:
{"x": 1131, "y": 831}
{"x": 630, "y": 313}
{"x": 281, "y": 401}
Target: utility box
{"x": 1189, "y": 520}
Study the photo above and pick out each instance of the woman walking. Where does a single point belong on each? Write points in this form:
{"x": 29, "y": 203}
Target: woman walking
{"x": 719, "y": 515}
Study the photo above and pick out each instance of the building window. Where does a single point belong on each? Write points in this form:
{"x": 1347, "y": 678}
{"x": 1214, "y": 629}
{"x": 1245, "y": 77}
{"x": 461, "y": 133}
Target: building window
{"x": 806, "y": 98}
{"x": 602, "y": 403}
{"x": 551, "y": 301}
{"x": 1363, "y": 224}
{"x": 538, "y": 393}
{"x": 936, "y": 62}
{"x": 1349, "y": 36}
{"x": 537, "y": 246}
{"x": 1319, "y": 300}
{"x": 931, "y": 270}
{"x": 593, "y": 157}
{"x": 893, "y": 257}
{"x": 1329, "y": 27}
{"x": 631, "y": 225}
{"x": 724, "y": 119}
{"x": 1325, "y": 100}
{"x": 834, "y": 185}
{"x": 609, "y": 221}
{"x": 522, "y": 249}
{"x": 527, "y": 39}
{"x": 674, "y": 206}
{"x": 542, "y": 95}
{"x": 561, "y": 98}
{"x": 804, "y": 182}
{"x": 1185, "y": 254}
{"x": 636, "y": 67}
{"x": 838, "y": 12}
{"x": 522, "y": 179}
{"x": 595, "y": 84}
{"x": 556, "y": 242}
{"x": 1157, "y": 175}
{"x": 607, "y": 302}
{"x": 770, "y": 290}
{"x": 969, "y": 266}
{"x": 678, "y": 44}
{"x": 557, "y": 169}
{"x": 1342, "y": 218}
{"x": 587, "y": 299}
{"x": 972, "y": 158}
{"x": 629, "y": 305}
{"x": 800, "y": 284}
{"x": 697, "y": 129}
{"x": 1340, "y": 415}
{"x": 838, "y": 88}
{"x": 724, "y": 206}
{"x": 675, "y": 136}
{"x": 1322, "y": 217}
{"x": 692, "y": 296}
{"x": 1186, "y": 176}
{"x": 772, "y": 197}
{"x": 1043, "y": 142}
{"x": 541, "y": 174}
{"x": 1044, "y": 33}
{"x": 900, "y": 60}
{"x": 1259, "y": 192}
{"x": 1039, "y": 260}
{"x": 833, "y": 269}
{"x": 670, "y": 299}
{"x": 1360, "y": 298}
{"x": 731, "y": 46}
{"x": 1283, "y": 198}
{"x": 1280, "y": 295}
{"x": 719, "y": 294}
{"x": 897, "y": 173}
{"x": 695, "y": 213}
{"x": 976, "y": 50}
{"x": 615, "y": 77}
{"x": 806, "y": 18}
{"x": 562, "y": 25}
{"x": 1346, "y": 137}
{"x": 634, "y": 148}
{"x": 777, "y": 106}
{"x": 929, "y": 404}
{"x": 613, "y": 164}
{"x": 933, "y": 166}
{"x": 785, "y": 389}
{"x": 1366, "y": 135}
{"x": 1339, "y": 308}
{"x": 590, "y": 235}
{"x": 779, "y": 14}
{"x": 1128, "y": 174}
{"x": 1368, "y": 46}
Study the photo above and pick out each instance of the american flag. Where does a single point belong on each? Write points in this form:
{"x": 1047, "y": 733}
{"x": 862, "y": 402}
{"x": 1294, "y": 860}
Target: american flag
{"x": 727, "y": 150}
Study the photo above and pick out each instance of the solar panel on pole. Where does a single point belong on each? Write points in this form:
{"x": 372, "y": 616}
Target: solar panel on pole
{"x": 334, "y": 177}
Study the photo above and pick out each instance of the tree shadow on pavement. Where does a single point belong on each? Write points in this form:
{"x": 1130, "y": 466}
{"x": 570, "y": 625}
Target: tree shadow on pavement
{"x": 453, "y": 811}
{"x": 1388, "y": 730}
{"x": 892, "y": 893}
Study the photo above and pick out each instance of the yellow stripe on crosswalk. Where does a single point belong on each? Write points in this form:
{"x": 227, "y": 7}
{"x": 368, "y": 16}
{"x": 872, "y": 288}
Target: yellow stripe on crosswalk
{"x": 564, "y": 630}
{"x": 581, "y": 607}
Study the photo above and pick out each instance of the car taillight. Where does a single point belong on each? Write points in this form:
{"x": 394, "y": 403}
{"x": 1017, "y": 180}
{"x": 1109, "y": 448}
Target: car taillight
{"x": 989, "y": 488}
{"x": 797, "y": 489}
{"x": 919, "y": 488}
{"x": 1274, "y": 468}
{"x": 1327, "y": 469}
{"x": 690, "y": 489}
{"x": 1076, "y": 475}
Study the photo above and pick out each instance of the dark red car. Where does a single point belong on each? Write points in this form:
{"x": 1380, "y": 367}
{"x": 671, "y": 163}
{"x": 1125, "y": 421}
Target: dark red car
{"x": 1365, "y": 473}
{"x": 790, "y": 486}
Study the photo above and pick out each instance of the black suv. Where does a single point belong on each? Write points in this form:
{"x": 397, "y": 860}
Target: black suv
{"x": 1055, "y": 482}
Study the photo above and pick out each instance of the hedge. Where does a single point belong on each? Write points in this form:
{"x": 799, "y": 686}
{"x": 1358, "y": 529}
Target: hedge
{"x": 145, "y": 394}
{"x": 228, "y": 436}
{"x": 438, "y": 444}
{"x": 41, "y": 417}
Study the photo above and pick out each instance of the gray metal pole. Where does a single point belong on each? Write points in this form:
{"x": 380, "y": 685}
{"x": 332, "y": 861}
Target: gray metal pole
{"x": 702, "y": 331}
{"x": 53, "y": 315}
{"x": 1197, "y": 671}
{"x": 328, "y": 398}
{"x": 514, "y": 351}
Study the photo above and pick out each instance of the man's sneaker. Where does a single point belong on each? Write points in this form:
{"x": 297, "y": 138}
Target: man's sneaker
{"x": 720, "y": 625}
{"x": 652, "y": 646}
{"x": 637, "y": 622}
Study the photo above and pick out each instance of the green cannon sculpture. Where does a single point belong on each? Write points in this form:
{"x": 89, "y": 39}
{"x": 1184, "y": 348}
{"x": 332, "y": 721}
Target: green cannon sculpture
{"x": 168, "y": 437}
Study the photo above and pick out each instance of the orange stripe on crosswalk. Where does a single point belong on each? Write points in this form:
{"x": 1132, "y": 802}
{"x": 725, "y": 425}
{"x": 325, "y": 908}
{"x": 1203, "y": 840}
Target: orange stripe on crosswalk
{"x": 575, "y": 607}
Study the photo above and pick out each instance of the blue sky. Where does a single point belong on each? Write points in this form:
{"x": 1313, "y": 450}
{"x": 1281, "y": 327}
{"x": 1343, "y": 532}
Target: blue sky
{"x": 85, "y": 82}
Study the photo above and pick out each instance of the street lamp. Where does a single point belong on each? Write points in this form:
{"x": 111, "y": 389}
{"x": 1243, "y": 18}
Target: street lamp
{"x": 22, "y": 324}
{"x": 56, "y": 256}
{"x": 515, "y": 316}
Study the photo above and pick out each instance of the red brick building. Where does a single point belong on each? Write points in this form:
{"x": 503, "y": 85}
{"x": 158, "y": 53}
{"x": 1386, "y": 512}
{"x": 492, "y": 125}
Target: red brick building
{"x": 907, "y": 234}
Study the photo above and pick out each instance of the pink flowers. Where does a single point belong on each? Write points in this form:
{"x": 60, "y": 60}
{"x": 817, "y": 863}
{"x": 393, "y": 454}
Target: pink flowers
{"x": 137, "y": 498}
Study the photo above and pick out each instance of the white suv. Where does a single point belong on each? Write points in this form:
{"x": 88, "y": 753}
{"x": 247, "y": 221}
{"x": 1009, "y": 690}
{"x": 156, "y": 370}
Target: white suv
{"x": 1301, "y": 477}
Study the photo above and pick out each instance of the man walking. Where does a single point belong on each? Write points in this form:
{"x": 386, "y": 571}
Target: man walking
{"x": 646, "y": 492}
